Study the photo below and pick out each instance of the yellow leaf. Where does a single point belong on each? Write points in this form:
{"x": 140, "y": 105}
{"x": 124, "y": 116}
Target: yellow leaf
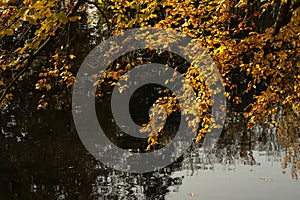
{"x": 72, "y": 57}
{"x": 26, "y": 2}
{"x": 9, "y": 32}
{"x": 62, "y": 18}
{"x": 31, "y": 19}
{"x": 74, "y": 18}
{"x": 248, "y": 71}
{"x": 43, "y": 36}
{"x": 48, "y": 87}
{"x": 91, "y": 20}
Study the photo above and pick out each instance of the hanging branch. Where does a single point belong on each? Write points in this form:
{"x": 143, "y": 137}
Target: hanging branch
{"x": 28, "y": 61}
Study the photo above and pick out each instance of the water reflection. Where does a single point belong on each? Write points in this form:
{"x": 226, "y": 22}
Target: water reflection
{"x": 42, "y": 156}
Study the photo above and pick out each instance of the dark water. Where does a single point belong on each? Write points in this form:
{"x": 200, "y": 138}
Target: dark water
{"x": 42, "y": 157}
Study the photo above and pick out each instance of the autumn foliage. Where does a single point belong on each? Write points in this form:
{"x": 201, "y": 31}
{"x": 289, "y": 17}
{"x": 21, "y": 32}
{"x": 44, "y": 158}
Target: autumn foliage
{"x": 254, "y": 43}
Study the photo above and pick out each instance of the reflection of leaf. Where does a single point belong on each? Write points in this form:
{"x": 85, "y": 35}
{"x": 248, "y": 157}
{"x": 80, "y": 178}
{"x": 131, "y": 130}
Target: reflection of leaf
{"x": 266, "y": 179}
{"x": 193, "y": 194}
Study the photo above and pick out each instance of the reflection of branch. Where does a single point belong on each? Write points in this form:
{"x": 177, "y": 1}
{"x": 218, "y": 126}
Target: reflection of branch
{"x": 101, "y": 11}
{"x": 27, "y": 62}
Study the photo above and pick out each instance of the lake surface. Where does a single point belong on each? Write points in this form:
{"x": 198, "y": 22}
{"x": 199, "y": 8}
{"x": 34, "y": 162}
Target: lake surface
{"x": 42, "y": 157}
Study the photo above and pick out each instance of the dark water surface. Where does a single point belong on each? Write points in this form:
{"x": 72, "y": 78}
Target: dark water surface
{"x": 42, "y": 157}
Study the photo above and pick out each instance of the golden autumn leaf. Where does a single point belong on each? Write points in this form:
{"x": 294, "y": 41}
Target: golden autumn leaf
{"x": 74, "y": 18}
{"x": 72, "y": 57}
{"x": 9, "y": 32}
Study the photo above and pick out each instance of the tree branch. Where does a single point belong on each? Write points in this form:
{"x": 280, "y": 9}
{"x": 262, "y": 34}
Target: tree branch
{"x": 27, "y": 61}
{"x": 284, "y": 15}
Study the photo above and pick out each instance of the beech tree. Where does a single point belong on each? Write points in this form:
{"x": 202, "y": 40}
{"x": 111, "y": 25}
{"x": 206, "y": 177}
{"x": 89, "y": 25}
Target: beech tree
{"x": 254, "y": 43}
